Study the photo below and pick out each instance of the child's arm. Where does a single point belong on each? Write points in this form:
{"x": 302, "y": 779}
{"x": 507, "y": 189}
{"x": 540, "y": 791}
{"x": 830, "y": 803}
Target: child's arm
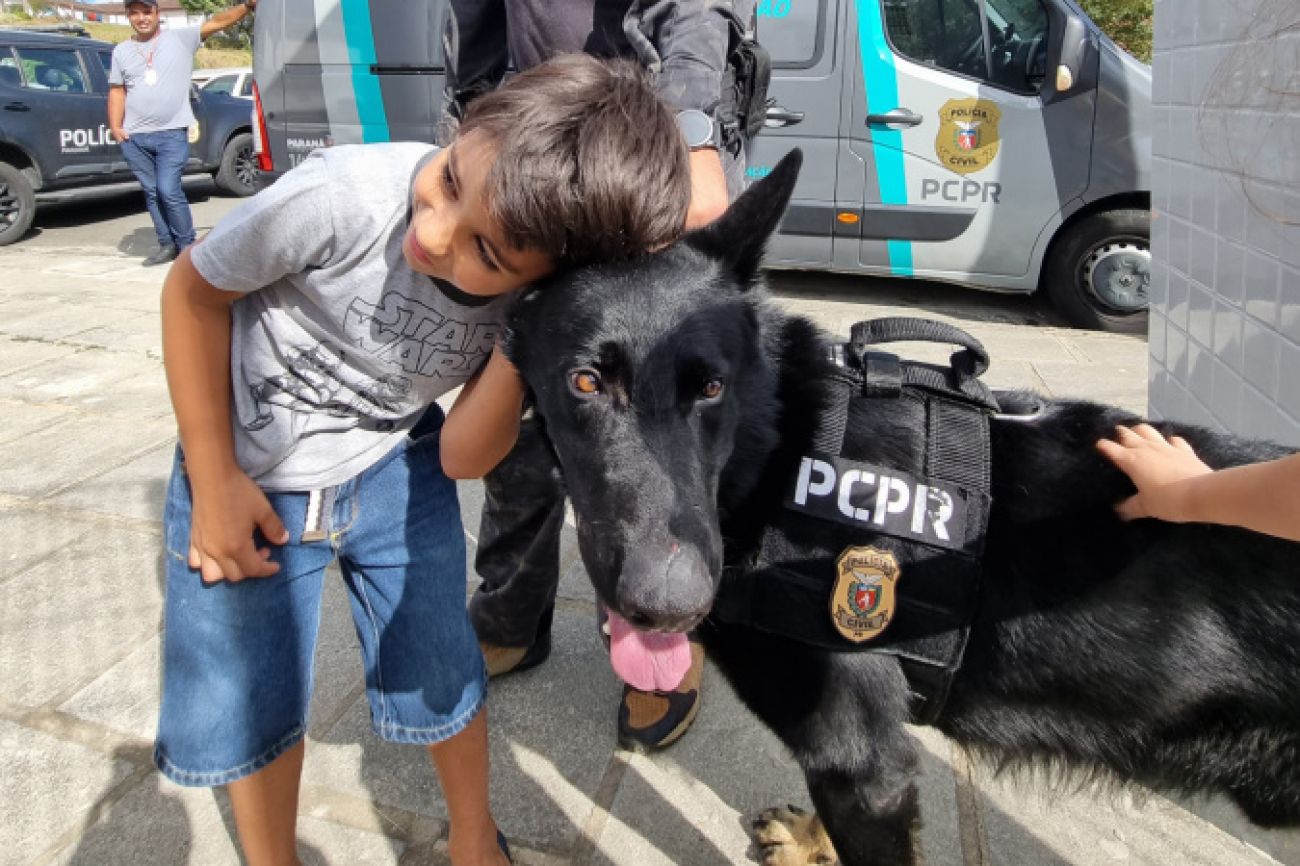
{"x": 228, "y": 505}
{"x": 1173, "y": 484}
{"x": 483, "y": 424}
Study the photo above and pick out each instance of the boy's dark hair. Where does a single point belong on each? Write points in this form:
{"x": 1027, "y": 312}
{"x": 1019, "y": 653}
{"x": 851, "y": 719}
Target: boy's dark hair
{"x": 590, "y": 165}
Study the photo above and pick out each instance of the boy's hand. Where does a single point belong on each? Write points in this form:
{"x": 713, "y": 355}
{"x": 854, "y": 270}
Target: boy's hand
{"x": 1156, "y": 467}
{"x": 221, "y": 531}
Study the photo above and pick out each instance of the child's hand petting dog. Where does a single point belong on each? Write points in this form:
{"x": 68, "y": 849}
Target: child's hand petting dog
{"x": 1173, "y": 484}
{"x": 1155, "y": 465}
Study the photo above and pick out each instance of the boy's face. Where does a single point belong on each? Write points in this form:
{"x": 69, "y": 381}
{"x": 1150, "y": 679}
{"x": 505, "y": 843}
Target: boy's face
{"x": 451, "y": 236}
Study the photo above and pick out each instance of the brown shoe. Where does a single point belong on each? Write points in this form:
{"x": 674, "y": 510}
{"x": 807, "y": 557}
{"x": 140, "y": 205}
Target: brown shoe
{"x": 653, "y": 720}
{"x": 508, "y": 659}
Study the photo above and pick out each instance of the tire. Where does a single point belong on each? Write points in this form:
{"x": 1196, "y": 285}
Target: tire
{"x": 17, "y": 204}
{"x": 238, "y": 172}
{"x": 1098, "y": 273}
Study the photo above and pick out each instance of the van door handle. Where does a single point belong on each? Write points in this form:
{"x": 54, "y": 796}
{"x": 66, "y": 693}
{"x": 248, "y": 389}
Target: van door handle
{"x": 778, "y": 116}
{"x": 17, "y": 106}
{"x": 897, "y": 117}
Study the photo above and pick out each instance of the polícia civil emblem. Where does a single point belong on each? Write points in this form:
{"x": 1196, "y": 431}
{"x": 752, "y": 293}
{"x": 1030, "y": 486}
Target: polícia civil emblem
{"x": 968, "y": 134}
{"x": 864, "y": 598}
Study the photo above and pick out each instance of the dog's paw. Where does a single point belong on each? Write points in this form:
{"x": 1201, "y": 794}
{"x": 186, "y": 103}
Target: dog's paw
{"x": 793, "y": 837}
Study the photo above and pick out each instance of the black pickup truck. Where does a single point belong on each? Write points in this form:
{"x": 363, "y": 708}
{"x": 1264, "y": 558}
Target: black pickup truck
{"x": 54, "y": 136}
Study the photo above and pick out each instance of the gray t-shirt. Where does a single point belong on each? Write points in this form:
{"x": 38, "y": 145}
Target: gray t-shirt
{"x": 338, "y": 345}
{"x": 164, "y": 104}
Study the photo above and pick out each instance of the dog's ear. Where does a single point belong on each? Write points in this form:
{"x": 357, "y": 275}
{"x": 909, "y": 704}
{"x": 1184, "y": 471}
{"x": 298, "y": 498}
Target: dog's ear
{"x": 739, "y": 236}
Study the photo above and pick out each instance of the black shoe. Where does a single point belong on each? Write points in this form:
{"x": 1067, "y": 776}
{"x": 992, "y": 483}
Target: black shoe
{"x": 509, "y": 660}
{"x": 162, "y": 257}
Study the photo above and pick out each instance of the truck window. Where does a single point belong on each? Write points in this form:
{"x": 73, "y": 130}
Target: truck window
{"x": 106, "y": 60}
{"x": 51, "y": 69}
{"x": 791, "y": 31}
{"x": 948, "y": 34}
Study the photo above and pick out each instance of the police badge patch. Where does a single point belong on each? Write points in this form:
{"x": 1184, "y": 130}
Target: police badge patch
{"x": 863, "y": 601}
{"x": 968, "y": 134}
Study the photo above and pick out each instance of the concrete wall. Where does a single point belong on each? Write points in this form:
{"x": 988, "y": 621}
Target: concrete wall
{"x": 1225, "y": 324}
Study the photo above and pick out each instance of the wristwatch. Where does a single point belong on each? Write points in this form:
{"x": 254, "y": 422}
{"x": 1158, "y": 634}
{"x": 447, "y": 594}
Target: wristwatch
{"x": 697, "y": 128}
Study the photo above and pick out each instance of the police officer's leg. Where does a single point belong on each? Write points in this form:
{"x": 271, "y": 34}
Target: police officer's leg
{"x": 139, "y": 155}
{"x": 518, "y": 555}
{"x": 173, "y": 150}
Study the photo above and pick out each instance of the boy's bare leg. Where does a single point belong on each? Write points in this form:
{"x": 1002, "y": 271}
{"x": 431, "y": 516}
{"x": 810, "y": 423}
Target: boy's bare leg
{"x": 462, "y": 765}
{"x": 266, "y": 810}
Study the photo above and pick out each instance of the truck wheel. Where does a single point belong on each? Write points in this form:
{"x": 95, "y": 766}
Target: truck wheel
{"x": 1099, "y": 272}
{"x": 238, "y": 172}
{"x": 17, "y": 204}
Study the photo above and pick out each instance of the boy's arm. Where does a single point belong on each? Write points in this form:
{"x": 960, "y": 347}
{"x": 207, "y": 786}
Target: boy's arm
{"x": 1173, "y": 484}
{"x": 483, "y": 424}
{"x": 228, "y": 505}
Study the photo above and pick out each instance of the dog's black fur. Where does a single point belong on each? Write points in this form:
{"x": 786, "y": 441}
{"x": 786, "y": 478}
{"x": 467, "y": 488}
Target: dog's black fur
{"x": 1164, "y": 654}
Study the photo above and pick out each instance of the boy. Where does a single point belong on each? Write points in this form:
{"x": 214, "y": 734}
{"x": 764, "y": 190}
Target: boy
{"x": 304, "y": 339}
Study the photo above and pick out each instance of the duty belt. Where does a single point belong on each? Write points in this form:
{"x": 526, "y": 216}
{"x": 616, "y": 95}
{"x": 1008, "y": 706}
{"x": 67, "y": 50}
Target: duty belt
{"x": 882, "y": 558}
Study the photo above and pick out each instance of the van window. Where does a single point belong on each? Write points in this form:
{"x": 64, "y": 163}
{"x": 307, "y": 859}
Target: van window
{"x": 791, "y": 31}
{"x": 106, "y": 60}
{"x": 949, "y": 34}
{"x": 51, "y": 69}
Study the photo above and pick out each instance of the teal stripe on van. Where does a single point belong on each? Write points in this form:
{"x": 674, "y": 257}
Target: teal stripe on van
{"x": 881, "y": 84}
{"x": 361, "y": 55}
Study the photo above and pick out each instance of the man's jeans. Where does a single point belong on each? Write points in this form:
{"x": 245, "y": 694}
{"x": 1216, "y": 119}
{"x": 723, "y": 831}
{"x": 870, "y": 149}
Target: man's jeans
{"x": 158, "y": 158}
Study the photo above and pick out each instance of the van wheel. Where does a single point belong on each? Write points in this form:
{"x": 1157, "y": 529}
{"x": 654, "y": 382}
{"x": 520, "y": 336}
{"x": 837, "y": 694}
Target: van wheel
{"x": 17, "y": 204}
{"x": 1099, "y": 272}
{"x": 238, "y": 172}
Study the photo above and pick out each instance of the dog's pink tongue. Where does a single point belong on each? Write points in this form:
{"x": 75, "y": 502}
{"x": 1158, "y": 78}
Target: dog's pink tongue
{"x": 649, "y": 662}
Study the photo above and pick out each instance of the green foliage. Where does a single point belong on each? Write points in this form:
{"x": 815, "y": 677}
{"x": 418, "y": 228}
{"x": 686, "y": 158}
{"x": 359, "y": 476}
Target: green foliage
{"x": 203, "y": 7}
{"x": 1128, "y": 22}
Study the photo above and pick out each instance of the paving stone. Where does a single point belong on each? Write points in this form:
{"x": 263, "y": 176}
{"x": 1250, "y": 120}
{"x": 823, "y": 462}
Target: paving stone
{"x": 94, "y": 379}
{"x": 18, "y": 354}
{"x": 161, "y": 824}
{"x": 50, "y": 321}
{"x": 136, "y": 489}
{"x": 74, "y": 615}
{"x": 27, "y": 537}
{"x": 47, "y": 787}
{"x": 552, "y": 732}
{"x": 76, "y": 449}
{"x": 1026, "y": 821}
{"x": 18, "y": 419}
{"x": 1122, "y": 386}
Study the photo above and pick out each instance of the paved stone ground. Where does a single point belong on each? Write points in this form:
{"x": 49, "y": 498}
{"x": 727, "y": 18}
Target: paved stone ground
{"x": 86, "y": 438}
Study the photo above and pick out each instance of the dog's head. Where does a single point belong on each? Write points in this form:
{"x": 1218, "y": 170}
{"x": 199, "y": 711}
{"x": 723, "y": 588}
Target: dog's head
{"x": 648, "y": 377}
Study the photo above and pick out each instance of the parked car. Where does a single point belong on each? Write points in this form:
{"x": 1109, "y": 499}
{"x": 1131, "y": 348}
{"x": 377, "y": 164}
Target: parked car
{"x": 54, "y": 136}
{"x": 232, "y": 81}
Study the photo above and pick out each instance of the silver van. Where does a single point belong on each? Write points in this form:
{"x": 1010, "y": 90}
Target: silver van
{"x": 1000, "y": 144}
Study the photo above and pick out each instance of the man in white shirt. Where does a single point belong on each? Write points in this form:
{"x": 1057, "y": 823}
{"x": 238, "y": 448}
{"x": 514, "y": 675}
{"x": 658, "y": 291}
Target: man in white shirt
{"x": 149, "y": 113}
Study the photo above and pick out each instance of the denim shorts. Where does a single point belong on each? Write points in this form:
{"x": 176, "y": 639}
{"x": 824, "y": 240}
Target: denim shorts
{"x": 238, "y": 657}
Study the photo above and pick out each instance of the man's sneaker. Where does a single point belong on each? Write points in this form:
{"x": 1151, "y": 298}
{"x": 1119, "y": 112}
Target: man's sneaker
{"x": 162, "y": 257}
{"x": 653, "y": 720}
{"x": 508, "y": 659}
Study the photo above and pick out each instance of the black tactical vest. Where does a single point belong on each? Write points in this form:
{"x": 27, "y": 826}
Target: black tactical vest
{"x": 866, "y": 557}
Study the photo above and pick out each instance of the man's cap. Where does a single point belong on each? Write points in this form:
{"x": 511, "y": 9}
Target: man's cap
{"x": 153, "y": 3}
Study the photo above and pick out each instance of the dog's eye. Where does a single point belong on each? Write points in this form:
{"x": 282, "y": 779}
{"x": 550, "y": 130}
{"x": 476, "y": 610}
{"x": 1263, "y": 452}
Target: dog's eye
{"x": 712, "y": 389}
{"x": 584, "y": 382}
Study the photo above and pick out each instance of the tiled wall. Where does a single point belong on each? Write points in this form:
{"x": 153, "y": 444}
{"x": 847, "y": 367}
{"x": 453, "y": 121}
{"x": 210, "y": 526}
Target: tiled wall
{"x": 1225, "y": 323}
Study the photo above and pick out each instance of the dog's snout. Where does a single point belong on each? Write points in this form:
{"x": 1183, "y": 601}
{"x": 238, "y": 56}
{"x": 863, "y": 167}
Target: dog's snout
{"x": 641, "y": 620}
{"x": 666, "y": 590}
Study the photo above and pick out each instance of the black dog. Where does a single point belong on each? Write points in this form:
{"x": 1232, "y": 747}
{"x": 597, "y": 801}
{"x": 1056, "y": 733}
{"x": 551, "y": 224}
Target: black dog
{"x": 680, "y": 402}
